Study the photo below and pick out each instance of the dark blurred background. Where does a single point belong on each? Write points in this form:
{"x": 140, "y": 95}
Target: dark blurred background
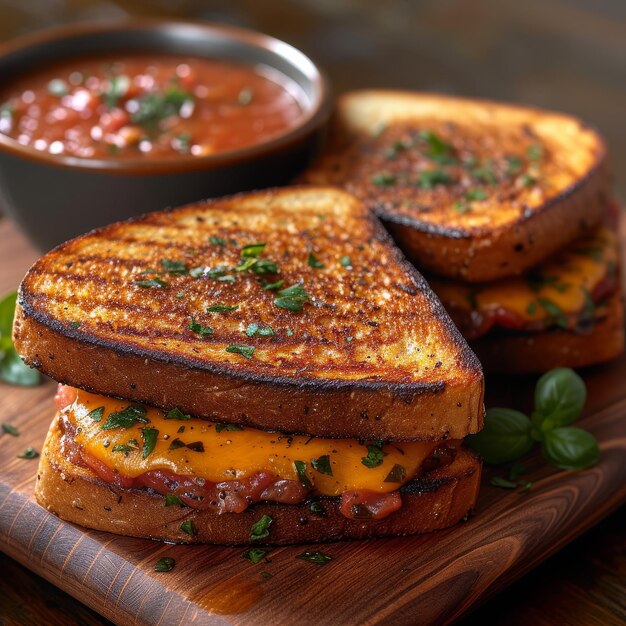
{"x": 562, "y": 54}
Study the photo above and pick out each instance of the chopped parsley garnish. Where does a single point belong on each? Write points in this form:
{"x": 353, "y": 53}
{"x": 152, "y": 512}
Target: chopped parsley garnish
{"x": 75, "y": 324}
{"x": 116, "y": 88}
{"x": 554, "y": 311}
{"x": 149, "y": 436}
{"x": 397, "y": 474}
{"x": 261, "y": 528}
{"x": 9, "y": 429}
{"x": 514, "y": 165}
{"x": 230, "y": 427}
{"x": 314, "y": 262}
{"x": 173, "y": 267}
{"x": 165, "y": 564}
{"x": 156, "y": 106}
{"x": 528, "y": 180}
{"x": 384, "y": 179}
{"x": 96, "y": 414}
{"x": 475, "y": 194}
{"x": 322, "y": 465}
{"x": 346, "y": 261}
{"x": 265, "y": 266}
{"x": 260, "y": 330}
{"x": 245, "y": 351}
{"x": 374, "y": 456}
{"x": 221, "y": 308}
{"x": 254, "y": 555}
{"x": 180, "y": 295}
{"x": 184, "y": 141}
{"x": 126, "y": 417}
{"x": 252, "y": 250}
{"x": 217, "y": 241}
{"x": 302, "y": 476}
{"x": 273, "y": 286}
{"x": 438, "y": 150}
{"x": 428, "y": 179}
{"x": 188, "y": 528}
{"x": 531, "y": 309}
{"x": 171, "y": 499}
{"x": 292, "y": 298}
{"x": 177, "y": 414}
{"x": 29, "y": 453}
{"x": 485, "y": 175}
{"x": 319, "y": 558}
{"x": 199, "y": 329}
{"x": 127, "y": 447}
{"x": 155, "y": 283}
{"x": 58, "y": 87}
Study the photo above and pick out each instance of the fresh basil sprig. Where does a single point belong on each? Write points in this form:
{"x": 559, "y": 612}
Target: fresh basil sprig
{"x": 12, "y": 369}
{"x": 560, "y": 395}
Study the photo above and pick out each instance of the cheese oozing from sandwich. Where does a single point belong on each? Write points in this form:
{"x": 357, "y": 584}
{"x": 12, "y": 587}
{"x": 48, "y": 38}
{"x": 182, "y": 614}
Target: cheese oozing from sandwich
{"x": 132, "y": 440}
{"x": 565, "y": 285}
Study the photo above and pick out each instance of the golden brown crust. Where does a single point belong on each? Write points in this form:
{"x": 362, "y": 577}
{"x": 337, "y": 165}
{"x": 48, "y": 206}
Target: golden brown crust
{"x": 514, "y": 227}
{"x": 77, "y": 495}
{"x": 529, "y": 353}
{"x": 374, "y": 356}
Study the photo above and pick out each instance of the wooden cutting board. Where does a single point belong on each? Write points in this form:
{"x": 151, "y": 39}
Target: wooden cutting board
{"x": 416, "y": 580}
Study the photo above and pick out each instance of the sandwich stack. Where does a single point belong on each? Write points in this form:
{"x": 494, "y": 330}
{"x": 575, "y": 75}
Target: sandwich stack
{"x": 264, "y": 368}
{"x": 506, "y": 209}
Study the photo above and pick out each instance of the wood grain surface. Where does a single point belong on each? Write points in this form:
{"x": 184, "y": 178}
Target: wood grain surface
{"x": 416, "y": 580}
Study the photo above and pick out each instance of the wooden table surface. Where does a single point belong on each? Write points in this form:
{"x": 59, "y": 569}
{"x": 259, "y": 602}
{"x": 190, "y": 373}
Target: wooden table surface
{"x": 563, "y": 54}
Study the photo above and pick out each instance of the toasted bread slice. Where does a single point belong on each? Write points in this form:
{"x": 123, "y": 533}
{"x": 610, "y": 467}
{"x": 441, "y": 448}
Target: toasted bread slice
{"x": 469, "y": 189}
{"x": 76, "y": 494}
{"x": 371, "y": 354}
{"x": 510, "y": 352}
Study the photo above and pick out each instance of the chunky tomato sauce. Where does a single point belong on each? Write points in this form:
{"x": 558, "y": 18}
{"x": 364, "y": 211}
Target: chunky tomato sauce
{"x": 147, "y": 105}
{"x": 234, "y": 496}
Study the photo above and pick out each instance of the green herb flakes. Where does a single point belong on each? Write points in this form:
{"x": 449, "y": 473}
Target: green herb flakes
{"x": 221, "y": 308}
{"x": 346, "y": 261}
{"x": 153, "y": 283}
{"x": 228, "y": 427}
{"x": 217, "y": 241}
{"x": 319, "y": 558}
{"x": 177, "y": 414}
{"x": 171, "y": 499}
{"x": 292, "y": 298}
{"x": 9, "y": 429}
{"x": 199, "y": 329}
{"x": 173, "y": 267}
{"x": 384, "y": 179}
{"x": 428, "y": 179}
{"x": 259, "y": 330}
{"x": 322, "y": 465}
{"x": 374, "y": 456}
{"x": 188, "y": 528}
{"x": 302, "y": 475}
{"x": 314, "y": 262}
{"x": 261, "y": 529}
{"x": 245, "y": 351}
{"x": 254, "y": 555}
{"x": 126, "y": 417}
{"x": 29, "y": 453}
{"x": 149, "y": 436}
{"x": 253, "y": 250}
{"x": 165, "y": 564}
{"x": 96, "y": 414}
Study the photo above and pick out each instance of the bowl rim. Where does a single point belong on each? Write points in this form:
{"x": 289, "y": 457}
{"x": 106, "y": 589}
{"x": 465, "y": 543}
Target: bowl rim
{"x": 313, "y": 118}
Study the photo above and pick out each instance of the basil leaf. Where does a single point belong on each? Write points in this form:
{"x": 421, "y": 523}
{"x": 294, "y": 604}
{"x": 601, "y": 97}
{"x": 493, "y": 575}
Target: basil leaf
{"x": 165, "y": 564}
{"x": 505, "y": 437}
{"x": 15, "y": 372}
{"x": 149, "y": 436}
{"x": 126, "y": 418}
{"x": 254, "y": 555}
{"x": 188, "y": 528}
{"x": 301, "y": 470}
{"x": 322, "y": 465}
{"x": 245, "y": 351}
{"x": 171, "y": 499}
{"x": 260, "y": 528}
{"x": 570, "y": 448}
{"x": 319, "y": 558}
{"x": 559, "y": 397}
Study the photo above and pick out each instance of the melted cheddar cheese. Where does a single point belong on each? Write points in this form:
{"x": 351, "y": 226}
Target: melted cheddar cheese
{"x": 201, "y": 451}
{"x": 563, "y": 284}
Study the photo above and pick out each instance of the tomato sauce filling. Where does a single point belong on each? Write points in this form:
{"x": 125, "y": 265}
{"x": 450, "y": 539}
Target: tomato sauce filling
{"x": 234, "y": 496}
{"x": 150, "y": 106}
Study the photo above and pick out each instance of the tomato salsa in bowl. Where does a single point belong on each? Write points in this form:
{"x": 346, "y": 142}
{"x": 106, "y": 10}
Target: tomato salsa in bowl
{"x": 99, "y": 123}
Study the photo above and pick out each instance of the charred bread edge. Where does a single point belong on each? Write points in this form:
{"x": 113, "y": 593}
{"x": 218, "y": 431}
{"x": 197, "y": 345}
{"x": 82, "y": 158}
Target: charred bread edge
{"x": 77, "y": 495}
{"x": 31, "y": 324}
{"x": 529, "y": 353}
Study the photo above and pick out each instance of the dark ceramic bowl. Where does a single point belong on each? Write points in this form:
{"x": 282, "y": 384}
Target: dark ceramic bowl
{"x": 55, "y": 197}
